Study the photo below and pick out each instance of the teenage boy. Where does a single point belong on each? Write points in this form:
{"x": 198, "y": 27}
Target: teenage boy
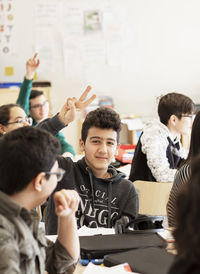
{"x": 36, "y": 105}
{"x": 159, "y": 150}
{"x": 29, "y": 173}
{"x": 106, "y": 196}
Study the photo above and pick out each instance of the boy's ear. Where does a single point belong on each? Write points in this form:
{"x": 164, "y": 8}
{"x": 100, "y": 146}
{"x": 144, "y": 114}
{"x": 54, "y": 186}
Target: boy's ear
{"x": 81, "y": 145}
{"x": 38, "y": 182}
{"x": 2, "y": 130}
{"x": 172, "y": 120}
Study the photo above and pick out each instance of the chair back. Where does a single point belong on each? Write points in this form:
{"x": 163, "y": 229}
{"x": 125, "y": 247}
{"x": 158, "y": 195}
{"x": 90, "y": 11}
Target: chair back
{"x": 153, "y": 197}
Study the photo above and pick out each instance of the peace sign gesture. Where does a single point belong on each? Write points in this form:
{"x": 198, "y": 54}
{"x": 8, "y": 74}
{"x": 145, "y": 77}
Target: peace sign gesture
{"x": 81, "y": 104}
{"x": 72, "y": 105}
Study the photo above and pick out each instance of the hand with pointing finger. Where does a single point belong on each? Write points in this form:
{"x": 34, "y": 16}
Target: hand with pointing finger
{"x": 31, "y": 66}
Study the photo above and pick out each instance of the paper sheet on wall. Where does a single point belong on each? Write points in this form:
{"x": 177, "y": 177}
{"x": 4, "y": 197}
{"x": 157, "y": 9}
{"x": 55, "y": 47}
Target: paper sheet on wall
{"x": 7, "y": 27}
{"x": 48, "y": 38}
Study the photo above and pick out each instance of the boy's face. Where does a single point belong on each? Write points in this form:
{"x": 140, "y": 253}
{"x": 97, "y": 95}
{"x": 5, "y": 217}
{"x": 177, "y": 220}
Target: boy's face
{"x": 100, "y": 147}
{"x": 50, "y": 183}
{"x": 185, "y": 123}
{"x": 39, "y": 108}
{"x": 182, "y": 125}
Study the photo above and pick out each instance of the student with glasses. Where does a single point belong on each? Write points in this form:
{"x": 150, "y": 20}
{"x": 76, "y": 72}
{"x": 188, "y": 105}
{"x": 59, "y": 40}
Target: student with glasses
{"x": 36, "y": 105}
{"x": 159, "y": 151}
{"x": 29, "y": 173}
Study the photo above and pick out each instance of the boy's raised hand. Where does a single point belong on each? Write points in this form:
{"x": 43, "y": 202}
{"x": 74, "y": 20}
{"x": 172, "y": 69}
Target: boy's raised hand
{"x": 66, "y": 202}
{"x": 72, "y": 105}
{"x": 31, "y": 66}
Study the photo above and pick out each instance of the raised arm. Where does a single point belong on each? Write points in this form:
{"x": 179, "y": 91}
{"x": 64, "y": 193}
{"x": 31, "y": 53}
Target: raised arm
{"x": 67, "y": 113}
{"x": 25, "y": 90}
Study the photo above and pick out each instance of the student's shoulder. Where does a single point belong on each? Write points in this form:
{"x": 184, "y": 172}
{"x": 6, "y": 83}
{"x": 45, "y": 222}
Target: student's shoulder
{"x": 7, "y": 227}
{"x": 126, "y": 184}
{"x": 155, "y": 133}
{"x": 155, "y": 128}
{"x": 68, "y": 164}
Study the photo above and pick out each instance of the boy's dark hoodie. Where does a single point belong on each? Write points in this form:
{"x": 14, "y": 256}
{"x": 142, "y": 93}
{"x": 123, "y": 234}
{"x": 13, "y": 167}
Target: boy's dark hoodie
{"x": 103, "y": 201}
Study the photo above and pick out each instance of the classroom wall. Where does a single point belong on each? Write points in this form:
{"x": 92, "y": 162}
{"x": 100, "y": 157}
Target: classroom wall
{"x": 154, "y": 45}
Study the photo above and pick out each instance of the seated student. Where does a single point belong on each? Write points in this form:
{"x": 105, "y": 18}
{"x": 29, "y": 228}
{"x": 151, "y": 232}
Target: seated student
{"x": 159, "y": 151}
{"x": 106, "y": 196}
{"x": 29, "y": 173}
{"x": 184, "y": 172}
{"x": 186, "y": 234}
{"x": 36, "y": 105}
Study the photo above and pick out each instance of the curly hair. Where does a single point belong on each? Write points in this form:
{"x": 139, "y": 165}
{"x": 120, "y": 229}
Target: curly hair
{"x": 104, "y": 118}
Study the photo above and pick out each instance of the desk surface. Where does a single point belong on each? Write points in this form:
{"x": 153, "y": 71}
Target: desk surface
{"x": 79, "y": 269}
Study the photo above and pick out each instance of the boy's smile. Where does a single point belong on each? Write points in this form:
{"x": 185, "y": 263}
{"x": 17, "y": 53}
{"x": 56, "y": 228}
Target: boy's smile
{"x": 100, "y": 148}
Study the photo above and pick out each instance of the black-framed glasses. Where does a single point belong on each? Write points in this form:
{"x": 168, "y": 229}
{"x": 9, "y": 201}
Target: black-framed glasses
{"x": 27, "y": 120}
{"x": 40, "y": 105}
{"x": 59, "y": 174}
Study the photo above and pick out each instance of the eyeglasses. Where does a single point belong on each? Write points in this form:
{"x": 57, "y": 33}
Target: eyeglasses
{"x": 188, "y": 115}
{"x": 40, "y": 105}
{"x": 59, "y": 174}
{"x": 27, "y": 120}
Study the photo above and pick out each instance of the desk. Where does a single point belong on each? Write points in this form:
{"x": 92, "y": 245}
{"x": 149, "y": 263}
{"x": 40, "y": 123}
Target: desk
{"x": 79, "y": 269}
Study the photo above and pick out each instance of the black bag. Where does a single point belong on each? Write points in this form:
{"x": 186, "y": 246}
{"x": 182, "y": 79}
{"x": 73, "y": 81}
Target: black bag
{"x": 95, "y": 247}
{"x": 143, "y": 223}
{"x": 149, "y": 260}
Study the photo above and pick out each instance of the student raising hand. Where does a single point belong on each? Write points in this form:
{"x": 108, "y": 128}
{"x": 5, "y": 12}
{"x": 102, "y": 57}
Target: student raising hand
{"x": 31, "y": 66}
{"x": 72, "y": 105}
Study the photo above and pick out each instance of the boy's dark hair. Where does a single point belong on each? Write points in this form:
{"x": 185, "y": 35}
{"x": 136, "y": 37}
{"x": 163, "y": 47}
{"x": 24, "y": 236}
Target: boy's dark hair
{"x": 5, "y": 113}
{"x": 174, "y": 103}
{"x": 24, "y": 153}
{"x": 35, "y": 93}
{"x": 104, "y": 118}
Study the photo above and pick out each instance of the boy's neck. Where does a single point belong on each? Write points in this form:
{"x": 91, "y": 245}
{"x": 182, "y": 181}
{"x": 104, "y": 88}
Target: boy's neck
{"x": 102, "y": 175}
{"x": 173, "y": 132}
{"x": 23, "y": 199}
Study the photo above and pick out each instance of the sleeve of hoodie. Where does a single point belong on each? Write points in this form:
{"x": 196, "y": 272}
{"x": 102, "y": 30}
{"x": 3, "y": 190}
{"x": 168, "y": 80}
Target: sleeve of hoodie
{"x": 53, "y": 125}
{"x": 154, "y": 145}
{"x": 24, "y": 94}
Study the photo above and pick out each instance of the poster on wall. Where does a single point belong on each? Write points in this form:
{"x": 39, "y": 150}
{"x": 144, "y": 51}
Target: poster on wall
{"x": 7, "y": 27}
{"x": 47, "y": 33}
{"x": 82, "y": 34}
{"x": 92, "y": 20}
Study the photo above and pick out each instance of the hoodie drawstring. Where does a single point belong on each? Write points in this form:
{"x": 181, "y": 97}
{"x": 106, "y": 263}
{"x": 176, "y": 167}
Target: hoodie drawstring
{"x": 91, "y": 184}
{"x": 109, "y": 203}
